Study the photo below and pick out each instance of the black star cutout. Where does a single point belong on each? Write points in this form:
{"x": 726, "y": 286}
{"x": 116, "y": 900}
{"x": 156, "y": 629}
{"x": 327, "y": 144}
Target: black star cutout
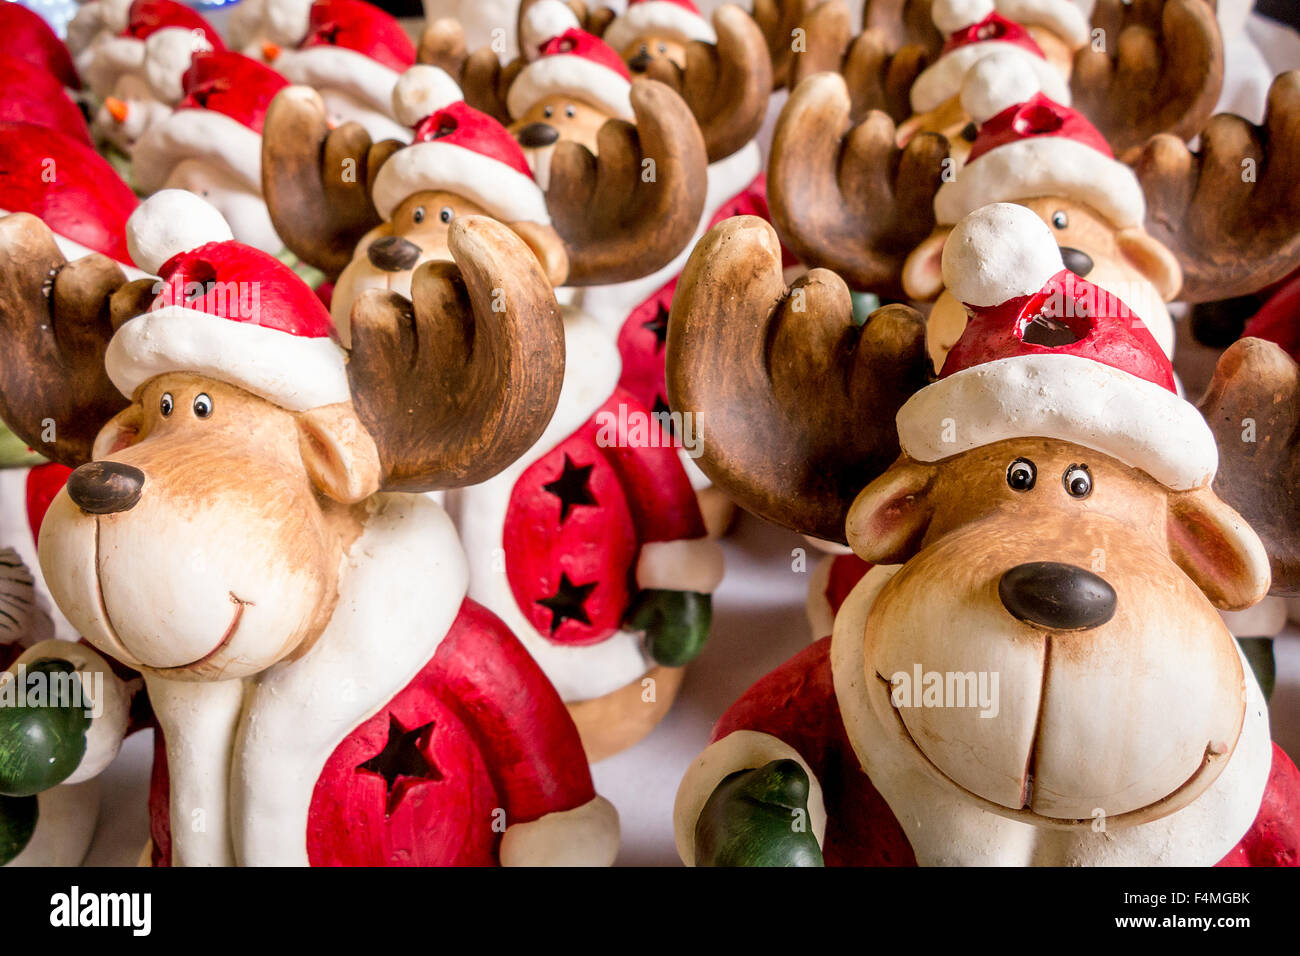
{"x": 401, "y": 763}
{"x": 659, "y": 326}
{"x": 568, "y": 602}
{"x": 571, "y": 487}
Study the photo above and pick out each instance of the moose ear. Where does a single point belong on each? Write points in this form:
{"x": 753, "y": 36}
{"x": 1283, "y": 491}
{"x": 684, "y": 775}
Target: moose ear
{"x": 339, "y": 454}
{"x": 890, "y": 516}
{"x": 1217, "y": 549}
{"x": 1153, "y": 260}
{"x": 923, "y": 270}
{"x": 548, "y": 247}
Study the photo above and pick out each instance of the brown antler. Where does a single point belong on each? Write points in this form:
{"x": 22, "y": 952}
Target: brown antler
{"x": 458, "y": 382}
{"x": 904, "y": 23}
{"x": 779, "y": 20}
{"x": 796, "y": 403}
{"x": 845, "y": 197}
{"x": 878, "y": 75}
{"x": 55, "y": 323}
{"x": 316, "y": 181}
{"x": 1230, "y": 211}
{"x": 726, "y": 85}
{"x": 1253, "y": 407}
{"x": 1160, "y": 71}
{"x": 630, "y": 210}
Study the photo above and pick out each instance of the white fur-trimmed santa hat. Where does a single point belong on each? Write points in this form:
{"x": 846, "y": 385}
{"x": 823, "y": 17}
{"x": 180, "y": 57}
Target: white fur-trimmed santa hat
{"x": 226, "y": 311}
{"x": 351, "y": 46}
{"x": 976, "y": 29}
{"x": 463, "y": 151}
{"x": 1030, "y": 146}
{"x": 574, "y": 64}
{"x": 156, "y": 40}
{"x": 1047, "y": 354}
{"x": 542, "y": 21}
{"x": 219, "y": 120}
{"x": 676, "y": 19}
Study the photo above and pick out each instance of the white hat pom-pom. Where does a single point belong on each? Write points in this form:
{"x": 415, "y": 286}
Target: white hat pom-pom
{"x": 167, "y": 55}
{"x": 543, "y": 21}
{"x": 998, "y": 82}
{"x": 997, "y": 253}
{"x": 421, "y": 91}
{"x": 953, "y": 15}
{"x": 171, "y": 222}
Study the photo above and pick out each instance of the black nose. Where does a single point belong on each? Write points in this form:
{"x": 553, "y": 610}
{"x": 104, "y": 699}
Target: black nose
{"x": 393, "y": 254}
{"x": 1078, "y": 262}
{"x": 1060, "y": 597}
{"x": 640, "y": 63}
{"x": 538, "y": 134}
{"x": 105, "y": 487}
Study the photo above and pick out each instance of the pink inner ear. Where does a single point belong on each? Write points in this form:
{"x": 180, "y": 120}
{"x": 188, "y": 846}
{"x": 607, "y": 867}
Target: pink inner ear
{"x": 1203, "y": 548}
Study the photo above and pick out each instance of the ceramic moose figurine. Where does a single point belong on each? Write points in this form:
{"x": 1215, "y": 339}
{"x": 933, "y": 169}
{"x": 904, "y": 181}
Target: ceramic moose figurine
{"x": 590, "y": 545}
{"x": 1022, "y": 712}
{"x": 327, "y": 678}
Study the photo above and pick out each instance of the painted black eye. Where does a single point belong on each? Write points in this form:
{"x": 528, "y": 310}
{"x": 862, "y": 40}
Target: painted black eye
{"x": 570, "y": 112}
{"x": 202, "y": 405}
{"x": 165, "y": 404}
{"x": 548, "y": 112}
{"x": 969, "y": 132}
{"x": 1021, "y": 474}
{"x": 1059, "y": 219}
{"x": 1078, "y": 481}
{"x": 447, "y": 214}
{"x": 417, "y": 217}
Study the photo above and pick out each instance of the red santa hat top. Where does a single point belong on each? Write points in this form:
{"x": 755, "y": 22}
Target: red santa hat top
{"x": 26, "y": 35}
{"x": 158, "y": 39}
{"x": 225, "y": 310}
{"x": 68, "y": 185}
{"x": 574, "y": 64}
{"x": 1030, "y": 146}
{"x": 28, "y": 94}
{"x": 351, "y": 46}
{"x": 218, "y": 120}
{"x": 678, "y": 20}
{"x": 462, "y": 151}
{"x": 1047, "y": 354}
{"x": 975, "y": 29}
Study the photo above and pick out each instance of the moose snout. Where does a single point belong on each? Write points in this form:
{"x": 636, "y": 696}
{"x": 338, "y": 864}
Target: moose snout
{"x": 640, "y": 63}
{"x": 1060, "y": 597}
{"x": 538, "y": 134}
{"x": 105, "y": 487}
{"x": 393, "y": 254}
{"x": 1077, "y": 261}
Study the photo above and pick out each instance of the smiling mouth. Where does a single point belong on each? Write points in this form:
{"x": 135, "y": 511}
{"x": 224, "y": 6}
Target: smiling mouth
{"x": 226, "y": 638}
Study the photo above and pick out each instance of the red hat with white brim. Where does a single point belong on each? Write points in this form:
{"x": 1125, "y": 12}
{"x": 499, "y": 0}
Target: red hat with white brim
{"x": 157, "y": 40}
{"x": 678, "y": 20}
{"x": 225, "y": 311}
{"x": 219, "y": 121}
{"x": 975, "y": 30}
{"x": 1030, "y": 146}
{"x": 462, "y": 151}
{"x": 351, "y": 46}
{"x": 1047, "y": 354}
{"x": 574, "y": 64}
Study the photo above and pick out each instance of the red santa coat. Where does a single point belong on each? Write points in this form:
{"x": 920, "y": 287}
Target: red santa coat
{"x": 477, "y": 740}
{"x": 796, "y": 703}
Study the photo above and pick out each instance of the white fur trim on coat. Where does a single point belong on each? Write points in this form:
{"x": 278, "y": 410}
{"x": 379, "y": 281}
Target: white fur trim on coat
{"x": 942, "y": 80}
{"x": 503, "y": 191}
{"x": 1067, "y": 398}
{"x": 688, "y": 564}
{"x": 325, "y": 67}
{"x": 197, "y": 134}
{"x": 584, "y": 836}
{"x": 570, "y": 75}
{"x": 658, "y": 17}
{"x": 294, "y": 372}
{"x": 1031, "y": 169}
{"x": 739, "y": 750}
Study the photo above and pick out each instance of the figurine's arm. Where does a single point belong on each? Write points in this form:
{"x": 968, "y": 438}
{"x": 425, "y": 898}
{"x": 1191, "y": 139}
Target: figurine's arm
{"x": 679, "y": 566}
{"x": 553, "y": 814}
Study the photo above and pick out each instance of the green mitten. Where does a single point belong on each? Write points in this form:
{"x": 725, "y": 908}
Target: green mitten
{"x": 676, "y": 624}
{"x": 758, "y": 818}
{"x": 40, "y": 746}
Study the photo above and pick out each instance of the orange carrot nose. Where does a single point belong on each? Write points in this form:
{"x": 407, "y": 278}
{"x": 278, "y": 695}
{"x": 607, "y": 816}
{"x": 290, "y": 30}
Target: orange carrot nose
{"x": 270, "y": 51}
{"x": 116, "y": 108}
